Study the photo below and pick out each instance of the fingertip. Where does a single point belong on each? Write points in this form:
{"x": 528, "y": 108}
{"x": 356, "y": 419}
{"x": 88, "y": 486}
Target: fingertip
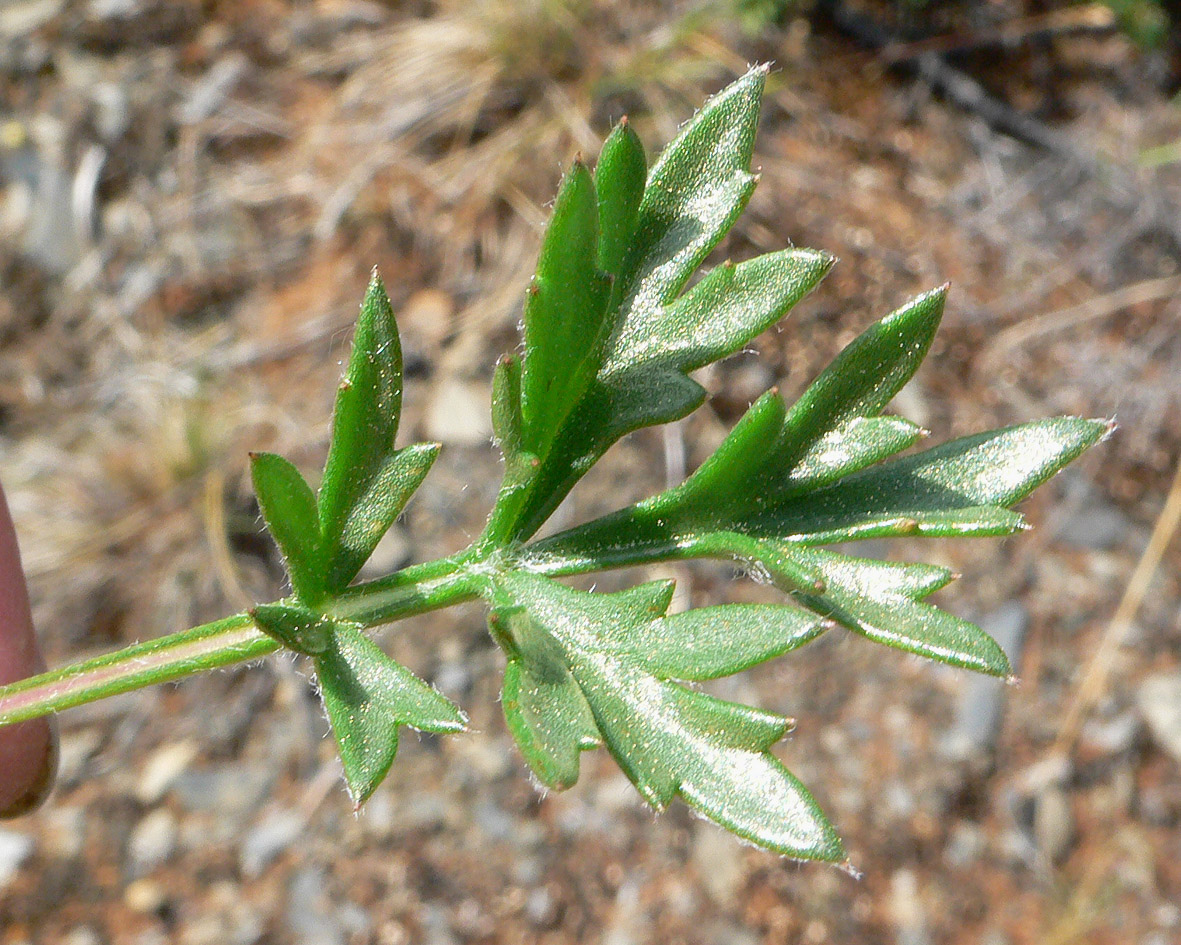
{"x": 28, "y": 750}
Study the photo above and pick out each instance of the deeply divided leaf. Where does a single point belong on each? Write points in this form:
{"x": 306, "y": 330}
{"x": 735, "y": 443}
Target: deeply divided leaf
{"x": 787, "y": 480}
{"x": 368, "y": 696}
{"x": 365, "y": 420}
{"x": 580, "y": 674}
{"x": 617, "y": 369}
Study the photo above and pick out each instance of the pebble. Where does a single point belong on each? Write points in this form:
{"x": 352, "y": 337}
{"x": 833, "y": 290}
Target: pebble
{"x": 1098, "y": 524}
{"x": 309, "y": 913}
{"x": 152, "y": 842}
{"x": 977, "y": 722}
{"x": 18, "y": 19}
{"x": 1053, "y": 824}
{"x": 719, "y": 863}
{"x": 144, "y": 896}
{"x": 1113, "y": 736}
{"x": 232, "y": 791}
{"x": 162, "y": 769}
{"x": 458, "y": 414}
{"x": 540, "y": 908}
{"x": 910, "y": 921}
{"x": 15, "y": 848}
{"x": 1159, "y": 702}
{"x": 65, "y": 831}
{"x": 270, "y": 837}
{"x": 77, "y": 748}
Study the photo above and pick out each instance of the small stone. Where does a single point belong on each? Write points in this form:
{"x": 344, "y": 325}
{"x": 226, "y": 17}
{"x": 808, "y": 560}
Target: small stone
{"x": 77, "y": 748}
{"x": 152, "y": 841}
{"x": 1114, "y": 736}
{"x": 719, "y": 863}
{"x": 144, "y": 896}
{"x": 454, "y": 678}
{"x": 458, "y": 414}
{"x": 426, "y": 319}
{"x": 910, "y": 921}
{"x": 540, "y": 908}
{"x": 1159, "y": 702}
{"x": 1053, "y": 824}
{"x": 964, "y": 846}
{"x": 309, "y": 913}
{"x": 274, "y": 834}
{"x": 1097, "y": 524}
{"x": 978, "y": 715}
{"x": 162, "y": 769}
{"x": 232, "y": 791}
{"x": 65, "y": 831}
{"x": 18, "y": 19}
{"x": 15, "y": 848}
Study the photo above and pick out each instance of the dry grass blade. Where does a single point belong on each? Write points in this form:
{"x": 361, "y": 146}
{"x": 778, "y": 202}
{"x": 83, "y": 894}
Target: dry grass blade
{"x": 1094, "y": 682}
{"x": 1139, "y": 293}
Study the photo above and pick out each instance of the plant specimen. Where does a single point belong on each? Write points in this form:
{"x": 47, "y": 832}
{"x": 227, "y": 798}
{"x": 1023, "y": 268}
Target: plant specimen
{"x": 611, "y": 332}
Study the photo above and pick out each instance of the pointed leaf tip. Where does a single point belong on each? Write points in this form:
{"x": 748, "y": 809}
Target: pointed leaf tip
{"x": 367, "y": 696}
{"x": 589, "y": 667}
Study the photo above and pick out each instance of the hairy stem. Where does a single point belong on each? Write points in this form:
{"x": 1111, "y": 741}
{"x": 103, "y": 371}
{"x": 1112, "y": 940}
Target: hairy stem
{"x": 235, "y": 639}
{"x": 414, "y": 590}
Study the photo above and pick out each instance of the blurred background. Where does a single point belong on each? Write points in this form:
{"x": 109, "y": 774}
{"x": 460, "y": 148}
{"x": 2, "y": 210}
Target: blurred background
{"x": 192, "y": 194}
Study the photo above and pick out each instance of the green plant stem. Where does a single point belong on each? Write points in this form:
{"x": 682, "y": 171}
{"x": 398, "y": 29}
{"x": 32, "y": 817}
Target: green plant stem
{"x": 414, "y": 590}
{"x": 235, "y": 639}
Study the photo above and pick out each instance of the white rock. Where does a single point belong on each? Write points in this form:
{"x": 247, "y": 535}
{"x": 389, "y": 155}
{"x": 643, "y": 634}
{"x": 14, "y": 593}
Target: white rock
{"x": 274, "y": 834}
{"x": 1159, "y": 701}
{"x": 15, "y": 848}
{"x": 162, "y": 769}
{"x": 152, "y": 841}
{"x": 459, "y": 414}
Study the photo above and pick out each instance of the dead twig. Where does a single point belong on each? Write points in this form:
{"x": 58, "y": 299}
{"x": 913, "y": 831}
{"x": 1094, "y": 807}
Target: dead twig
{"x": 1094, "y": 682}
{"x": 1110, "y": 303}
{"x": 1093, "y": 20}
{"x": 956, "y": 86}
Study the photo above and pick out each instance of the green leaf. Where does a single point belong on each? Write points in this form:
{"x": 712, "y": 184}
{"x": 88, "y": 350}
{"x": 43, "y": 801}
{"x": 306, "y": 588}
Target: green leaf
{"x": 367, "y": 697}
{"x": 297, "y": 628}
{"x": 620, "y": 176}
{"x": 833, "y": 430}
{"x": 289, "y": 510}
{"x": 545, "y": 710}
{"x": 709, "y": 642}
{"x": 880, "y": 600}
{"x": 365, "y": 420}
{"x": 578, "y": 657}
{"x": 635, "y": 374}
{"x": 377, "y": 508}
{"x": 867, "y": 374}
{"x": 959, "y": 488}
{"x": 564, "y": 313}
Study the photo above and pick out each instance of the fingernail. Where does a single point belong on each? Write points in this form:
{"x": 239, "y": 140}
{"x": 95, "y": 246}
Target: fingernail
{"x": 41, "y": 785}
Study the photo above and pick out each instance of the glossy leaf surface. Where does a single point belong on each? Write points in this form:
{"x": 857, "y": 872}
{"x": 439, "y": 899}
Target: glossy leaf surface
{"x": 289, "y": 509}
{"x": 787, "y": 480}
{"x": 368, "y": 696}
{"x": 364, "y": 424}
{"x": 580, "y": 674}
{"x": 651, "y": 335}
